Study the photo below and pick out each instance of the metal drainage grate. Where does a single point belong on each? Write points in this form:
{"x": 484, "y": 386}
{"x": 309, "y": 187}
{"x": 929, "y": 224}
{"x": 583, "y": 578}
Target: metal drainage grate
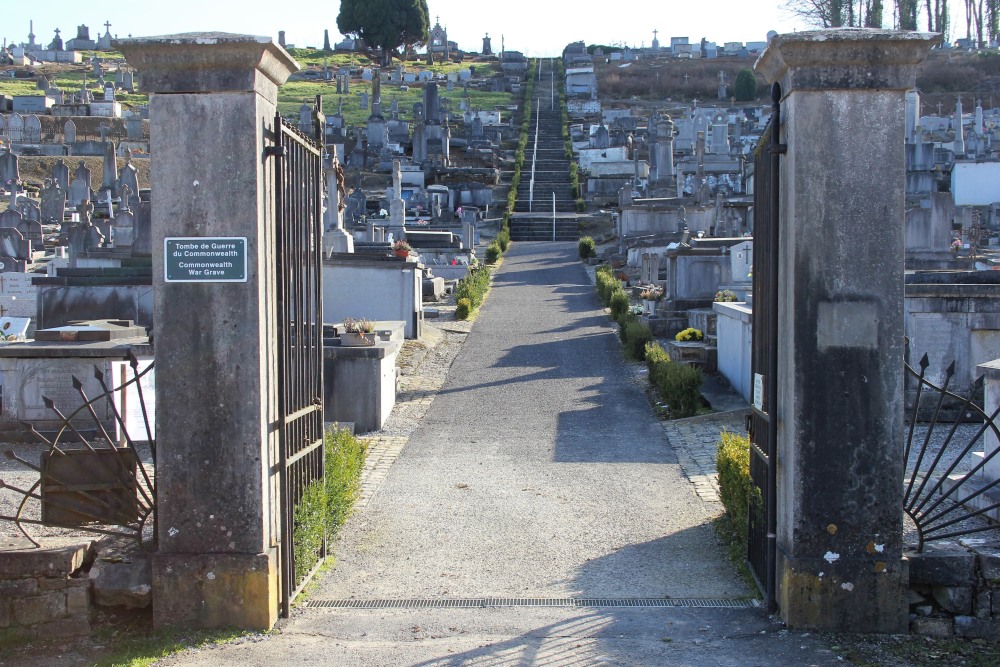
{"x": 479, "y": 603}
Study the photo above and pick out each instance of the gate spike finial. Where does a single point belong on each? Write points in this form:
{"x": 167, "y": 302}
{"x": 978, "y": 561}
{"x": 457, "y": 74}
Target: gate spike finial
{"x": 76, "y": 383}
{"x": 924, "y": 362}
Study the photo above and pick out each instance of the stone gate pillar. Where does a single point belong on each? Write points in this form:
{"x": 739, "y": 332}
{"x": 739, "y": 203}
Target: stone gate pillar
{"x": 840, "y": 331}
{"x": 212, "y": 105}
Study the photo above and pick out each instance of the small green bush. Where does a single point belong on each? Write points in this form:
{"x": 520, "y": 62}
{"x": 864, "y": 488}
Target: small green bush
{"x": 637, "y": 335}
{"x": 327, "y": 502}
{"x": 689, "y": 334}
{"x": 493, "y": 252}
{"x": 736, "y": 489}
{"x": 619, "y": 303}
{"x": 474, "y": 286}
{"x": 655, "y": 354}
{"x": 678, "y": 385}
{"x": 503, "y": 239}
{"x": 581, "y": 205}
{"x": 587, "y": 248}
{"x": 606, "y": 286}
{"x": 463, "y": 309}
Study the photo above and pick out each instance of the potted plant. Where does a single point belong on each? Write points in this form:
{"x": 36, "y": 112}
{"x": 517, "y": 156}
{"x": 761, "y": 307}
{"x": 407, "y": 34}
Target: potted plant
{"x": 726, "y": 296}
{"x": 689, "y": 335}
{"x": 358, "y": 332}
{"x": 649, "y": 298}
{"x": 401, "y": 248}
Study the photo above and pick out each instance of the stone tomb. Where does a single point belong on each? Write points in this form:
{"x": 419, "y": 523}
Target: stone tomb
{"x": 31, "y": 370}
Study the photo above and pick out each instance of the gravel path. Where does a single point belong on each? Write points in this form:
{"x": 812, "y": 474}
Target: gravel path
{"x": 532, "y": 469}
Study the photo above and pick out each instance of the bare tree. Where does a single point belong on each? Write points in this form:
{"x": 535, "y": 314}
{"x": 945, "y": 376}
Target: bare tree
{"x": 838, "y": 13}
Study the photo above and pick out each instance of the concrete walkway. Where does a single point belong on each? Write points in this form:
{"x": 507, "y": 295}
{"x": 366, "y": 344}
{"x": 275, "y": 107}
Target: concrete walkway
{"x": 537, "y": 474}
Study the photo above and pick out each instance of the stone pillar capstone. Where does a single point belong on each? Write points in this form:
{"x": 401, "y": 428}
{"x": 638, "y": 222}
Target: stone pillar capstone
{"x": 216, "y": 402}
{"x": 840, "y": 330}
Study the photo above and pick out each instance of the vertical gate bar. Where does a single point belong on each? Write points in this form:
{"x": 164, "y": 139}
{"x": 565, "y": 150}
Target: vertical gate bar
{"x": 282, "y": 457}
{"x": 772, "y": 349}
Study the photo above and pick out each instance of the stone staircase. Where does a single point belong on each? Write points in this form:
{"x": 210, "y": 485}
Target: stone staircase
{"x": 532, "y": 219}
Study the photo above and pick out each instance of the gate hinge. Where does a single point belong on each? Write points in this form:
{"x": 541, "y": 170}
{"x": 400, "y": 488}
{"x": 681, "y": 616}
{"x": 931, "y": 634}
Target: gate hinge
{"x": 274, "y": 151}
{"x": 780, "y": 149}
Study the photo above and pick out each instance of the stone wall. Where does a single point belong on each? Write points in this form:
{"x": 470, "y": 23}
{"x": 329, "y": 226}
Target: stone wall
{"x": 955, "y": 589}
{"x": 45, "y": 593}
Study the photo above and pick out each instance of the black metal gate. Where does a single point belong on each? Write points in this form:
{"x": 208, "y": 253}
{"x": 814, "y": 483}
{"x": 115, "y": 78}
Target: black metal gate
{"x": 761, "y": 540}
{"x": 298, "y": 193}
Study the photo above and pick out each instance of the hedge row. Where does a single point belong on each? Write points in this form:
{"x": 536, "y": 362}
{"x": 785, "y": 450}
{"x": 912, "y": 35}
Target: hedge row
{"x": 677, "y": 384}
{"x": 472, "y": 289}
{"x": 327, "y": 502}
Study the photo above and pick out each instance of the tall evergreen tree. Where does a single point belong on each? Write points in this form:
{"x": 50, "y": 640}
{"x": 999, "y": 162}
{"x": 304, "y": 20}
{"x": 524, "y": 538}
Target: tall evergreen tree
{"x": 388, "y": 26}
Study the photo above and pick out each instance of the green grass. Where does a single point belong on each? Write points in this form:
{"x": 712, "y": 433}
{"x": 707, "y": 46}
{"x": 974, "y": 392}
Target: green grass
{"x": 142, "y": 650}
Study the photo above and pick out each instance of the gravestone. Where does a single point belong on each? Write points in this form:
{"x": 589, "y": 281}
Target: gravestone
{"x": 123, "y": 228}
{"x": 10, "y": 218}
{"x": 32, "y": 129}
{"x": 15, "y": 128}
{"x": 15, "y": 250}
{"x": 69, "y": 132}
{"x": 53, "y": 206}
{"x": 363, "y": 100}
{"x": 110, "y": 176}
{"x": 396, "y": 203}
{"x": 9, "y": 172}
{"x": 133, "y": 128}
{"x": 20, "y": 297}
{"x": 128, "y": 177}
{"x": 335, "y": 238}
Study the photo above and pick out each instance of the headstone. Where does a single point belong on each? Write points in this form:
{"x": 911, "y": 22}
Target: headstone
{"x": 60, "y": 174}
{"x": 397, "y": 207}
{"x": 69, "y": 132}
{"x": 53, "y": 206}
{"x": 128, "y": 176}
{"x": 363, "y": 100}
{"x": 124, "y": 228}
{"x": 142, "y": 234}
{"x": 10, "y": 219}
{"x": 110, "y": 176}
{"x": 133, "y": 128}
{"x": 9, "y": 173}
{"x": 32, "y": 129}
{"x": 20, "y": 297}
{"x": 13, "y": 245}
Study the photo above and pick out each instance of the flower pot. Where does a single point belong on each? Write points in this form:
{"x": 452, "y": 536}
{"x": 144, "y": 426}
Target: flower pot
{"x": 402, "y": 253}
{"x": 348, "y": 339}
{"x": 649, "y": 306}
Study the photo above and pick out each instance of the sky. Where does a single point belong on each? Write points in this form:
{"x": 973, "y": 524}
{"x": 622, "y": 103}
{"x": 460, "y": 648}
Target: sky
{"x": 535, "y": 27}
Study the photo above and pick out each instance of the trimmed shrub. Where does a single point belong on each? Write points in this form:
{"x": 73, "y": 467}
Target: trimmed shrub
{"x": 736, "y": 490}
{"x": 637, "y": 335}
{"x": 618, "y": 303}
{"x": 474, "y": 286}
{"x": 606, "y": 286}
{"x": 493, "y": 252}
{"x": 678, "y": 386}
{"x": 327, "y": 502}
{"x": 503, "y": 239}
{"x": 581, "y": 205}
{"x": 463, "y": 309}
{"x": 655, "y": 354}
{"x": 587, "y": 248}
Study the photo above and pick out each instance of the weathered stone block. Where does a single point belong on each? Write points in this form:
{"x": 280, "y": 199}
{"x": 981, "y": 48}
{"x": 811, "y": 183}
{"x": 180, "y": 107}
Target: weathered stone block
{"x": 126, "y": 585}
{"x": 984, "y": 606}
{"x": 942, "y": 566}
{"x": 51, "y": 584}
{"x": 60, "y": 562}
{"x": 989, "y": 563}
{"x": 40, "y": 608}
{"x": 978, "y": 628}
{"x": 77, "y": 601}
{"x": 954, "y": 599}
{"x": 932, "y": 627}
{"x": 18, "y": 588}
{"x": 215, "y": 590}
{"x": 78, "y": 626}
{"x": 4, "y": 613}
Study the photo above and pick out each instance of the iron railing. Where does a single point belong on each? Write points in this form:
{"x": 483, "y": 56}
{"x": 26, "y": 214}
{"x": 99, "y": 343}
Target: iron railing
{"x": 944, "y": 493}
{"x": 99, "y": 484}
{"x": 299, "y": 249}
